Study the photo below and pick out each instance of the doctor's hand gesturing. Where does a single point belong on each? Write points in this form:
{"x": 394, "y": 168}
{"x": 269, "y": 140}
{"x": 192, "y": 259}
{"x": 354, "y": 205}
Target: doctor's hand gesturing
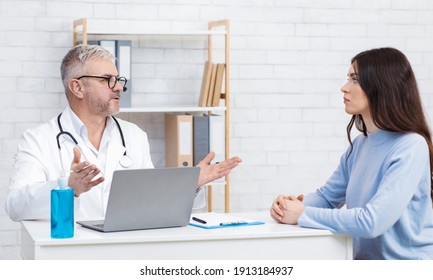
{"x": 210, "y": 172}
{"x": 82, "y": 174}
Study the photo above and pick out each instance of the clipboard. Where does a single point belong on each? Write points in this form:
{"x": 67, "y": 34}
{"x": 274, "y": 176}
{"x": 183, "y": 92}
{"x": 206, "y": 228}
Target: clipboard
{"x": 214, "y": 220}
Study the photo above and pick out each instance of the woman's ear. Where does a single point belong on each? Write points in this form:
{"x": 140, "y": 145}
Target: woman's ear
{"x": 76, "y": 88}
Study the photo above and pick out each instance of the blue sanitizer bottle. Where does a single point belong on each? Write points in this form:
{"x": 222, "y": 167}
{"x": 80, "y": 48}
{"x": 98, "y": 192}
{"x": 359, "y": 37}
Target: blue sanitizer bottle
{"x": 62, "y": 210}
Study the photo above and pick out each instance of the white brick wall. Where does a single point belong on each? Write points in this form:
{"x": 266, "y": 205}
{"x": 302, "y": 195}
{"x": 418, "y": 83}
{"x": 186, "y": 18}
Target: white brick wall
{"x": 288, "y": 62}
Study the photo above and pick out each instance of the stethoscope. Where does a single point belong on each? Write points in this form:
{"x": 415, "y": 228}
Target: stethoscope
{"x": 125, "y": 161}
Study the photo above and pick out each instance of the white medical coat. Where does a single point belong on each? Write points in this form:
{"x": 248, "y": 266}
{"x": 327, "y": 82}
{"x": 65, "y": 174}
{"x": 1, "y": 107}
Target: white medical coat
{"x": 37, "y": 165}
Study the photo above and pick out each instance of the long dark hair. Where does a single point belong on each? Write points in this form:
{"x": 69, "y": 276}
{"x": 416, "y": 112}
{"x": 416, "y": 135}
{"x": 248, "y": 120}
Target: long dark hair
{"x": 387, "y": 79}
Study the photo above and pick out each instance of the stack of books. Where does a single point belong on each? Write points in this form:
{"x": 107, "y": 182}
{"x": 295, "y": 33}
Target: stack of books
{"x": 212, "y": 84}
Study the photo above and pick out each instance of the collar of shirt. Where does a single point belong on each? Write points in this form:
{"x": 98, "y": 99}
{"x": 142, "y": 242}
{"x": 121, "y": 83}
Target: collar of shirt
{"x": 80, "y": 129}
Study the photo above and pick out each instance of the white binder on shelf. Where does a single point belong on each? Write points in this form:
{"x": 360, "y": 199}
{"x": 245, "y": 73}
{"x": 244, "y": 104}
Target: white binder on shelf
{"x": 110, "y": 45}
{"x": 123, "y": 62}
{"x": 178, "y": 140}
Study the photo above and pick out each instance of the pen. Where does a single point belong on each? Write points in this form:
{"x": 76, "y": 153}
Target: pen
{"x": 199, "y": 220}
{"x": 238, "y": 223}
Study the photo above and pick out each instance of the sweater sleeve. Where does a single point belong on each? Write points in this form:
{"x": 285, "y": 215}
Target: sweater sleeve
{"x": 333, "y": 193}
{"x": 404, "y": 170}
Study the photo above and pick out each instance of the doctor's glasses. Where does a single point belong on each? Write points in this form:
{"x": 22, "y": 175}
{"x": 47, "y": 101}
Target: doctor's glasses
{"x": 112, "y": 80}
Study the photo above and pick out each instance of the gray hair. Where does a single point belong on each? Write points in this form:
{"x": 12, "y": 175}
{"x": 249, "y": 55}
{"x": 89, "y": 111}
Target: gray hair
{"x": 75, "y": 60}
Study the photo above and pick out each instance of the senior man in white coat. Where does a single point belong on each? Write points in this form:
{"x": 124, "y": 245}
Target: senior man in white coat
{"x": 92, "y": 146}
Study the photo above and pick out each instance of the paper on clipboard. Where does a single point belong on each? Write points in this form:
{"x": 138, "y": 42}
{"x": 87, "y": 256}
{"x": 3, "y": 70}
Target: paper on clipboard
{"x": 220, "y": 220}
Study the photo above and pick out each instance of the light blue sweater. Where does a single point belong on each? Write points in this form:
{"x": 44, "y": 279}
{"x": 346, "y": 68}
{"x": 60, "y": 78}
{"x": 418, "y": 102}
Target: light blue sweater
{"x": 385, "y": 184}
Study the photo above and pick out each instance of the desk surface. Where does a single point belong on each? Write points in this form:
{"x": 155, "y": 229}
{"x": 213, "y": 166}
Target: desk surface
{"x": 193, "y": 242}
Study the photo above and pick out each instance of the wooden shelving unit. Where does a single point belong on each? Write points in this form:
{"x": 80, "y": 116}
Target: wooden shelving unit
{"x": 83, "y": 29}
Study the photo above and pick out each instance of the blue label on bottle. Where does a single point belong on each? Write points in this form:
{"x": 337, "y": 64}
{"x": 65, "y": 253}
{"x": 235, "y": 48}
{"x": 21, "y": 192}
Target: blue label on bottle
{"x": 62, "y": 213}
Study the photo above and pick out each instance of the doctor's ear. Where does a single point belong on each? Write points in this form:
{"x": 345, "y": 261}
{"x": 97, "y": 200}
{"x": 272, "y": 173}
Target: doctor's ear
{"x": 76, "y": 88}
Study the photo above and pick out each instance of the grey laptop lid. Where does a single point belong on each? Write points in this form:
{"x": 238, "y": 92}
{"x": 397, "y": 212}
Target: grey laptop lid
{"x": 149, "y": 198}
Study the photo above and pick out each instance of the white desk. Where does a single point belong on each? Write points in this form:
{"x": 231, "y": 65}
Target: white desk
{"x": 268, "y": 241}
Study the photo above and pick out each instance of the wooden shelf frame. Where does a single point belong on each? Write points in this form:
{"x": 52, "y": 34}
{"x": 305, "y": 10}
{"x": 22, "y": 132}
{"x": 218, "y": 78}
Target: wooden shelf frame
{"x": 226, "y": 96}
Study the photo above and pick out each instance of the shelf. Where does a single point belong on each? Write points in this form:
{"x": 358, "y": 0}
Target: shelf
{"x": 216, "y": 183}
{"x": 170, "y": 109}
{"x": 156, "y": 33}
{"x": 116, "y": 28}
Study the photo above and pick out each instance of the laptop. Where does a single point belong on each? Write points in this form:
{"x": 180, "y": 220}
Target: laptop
{"x": 148, "y": 198}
